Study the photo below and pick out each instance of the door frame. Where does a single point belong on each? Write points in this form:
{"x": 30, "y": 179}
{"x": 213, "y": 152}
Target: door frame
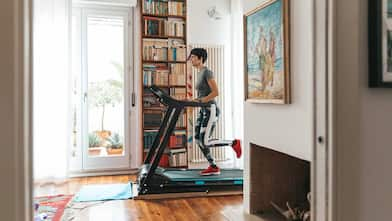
{"x": 323, "y": 171}
{"x": 99, "y": 164}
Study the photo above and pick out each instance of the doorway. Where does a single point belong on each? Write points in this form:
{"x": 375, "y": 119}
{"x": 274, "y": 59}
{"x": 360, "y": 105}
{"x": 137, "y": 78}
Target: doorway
{"x": 100, "y": 86}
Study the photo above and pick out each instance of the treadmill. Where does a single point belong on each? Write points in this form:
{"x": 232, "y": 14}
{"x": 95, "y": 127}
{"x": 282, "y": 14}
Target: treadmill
{"x": 156, "y": 181}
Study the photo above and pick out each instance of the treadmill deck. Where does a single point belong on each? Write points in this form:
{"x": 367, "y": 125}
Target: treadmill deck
{"x": 194, "y": 175}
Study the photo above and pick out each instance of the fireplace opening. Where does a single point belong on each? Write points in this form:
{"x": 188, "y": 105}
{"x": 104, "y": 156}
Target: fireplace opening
{"x": 279, "y": 178}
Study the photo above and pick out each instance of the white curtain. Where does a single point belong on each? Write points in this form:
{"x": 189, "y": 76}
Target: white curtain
{"x": 51, "y": 132}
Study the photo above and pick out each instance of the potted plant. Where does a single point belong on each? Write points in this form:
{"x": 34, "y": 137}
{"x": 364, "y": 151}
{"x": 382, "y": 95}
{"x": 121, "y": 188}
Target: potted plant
{"x": 102, "y": 94}
{"x": 93, "y": 144}
{"x": 115, "y": 146}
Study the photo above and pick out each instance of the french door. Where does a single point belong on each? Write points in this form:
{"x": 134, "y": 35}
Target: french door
{"x": 100, "y": 61}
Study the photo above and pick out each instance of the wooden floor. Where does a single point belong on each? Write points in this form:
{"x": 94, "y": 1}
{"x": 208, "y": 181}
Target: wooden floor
{"x": 189, "y": 209}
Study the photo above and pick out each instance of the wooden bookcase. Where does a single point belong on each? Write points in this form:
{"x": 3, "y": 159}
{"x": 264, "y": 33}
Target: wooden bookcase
{"x": 163, "y": 53}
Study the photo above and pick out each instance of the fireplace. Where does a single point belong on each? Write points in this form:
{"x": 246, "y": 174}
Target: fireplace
{"x": 276, "y": 177}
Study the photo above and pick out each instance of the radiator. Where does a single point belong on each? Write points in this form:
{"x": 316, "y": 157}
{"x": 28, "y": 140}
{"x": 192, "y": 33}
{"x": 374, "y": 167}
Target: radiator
{"x": 215, "y": 62}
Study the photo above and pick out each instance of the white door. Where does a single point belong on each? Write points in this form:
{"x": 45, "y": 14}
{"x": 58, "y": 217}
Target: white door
{"x": 101, "y": 82}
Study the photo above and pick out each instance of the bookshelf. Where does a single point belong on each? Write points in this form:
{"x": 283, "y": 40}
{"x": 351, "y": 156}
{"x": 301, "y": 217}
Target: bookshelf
{"x": 163, "y": 44}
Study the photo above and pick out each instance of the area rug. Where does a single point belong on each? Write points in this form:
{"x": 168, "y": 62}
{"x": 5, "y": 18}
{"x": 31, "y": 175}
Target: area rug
{"x": 104, "y": 192}
{"x": 51, "y": 207}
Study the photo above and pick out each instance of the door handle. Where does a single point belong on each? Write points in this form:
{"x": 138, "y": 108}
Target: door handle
{"x": 320, "y": 139}
{"x": 85, "y": 97}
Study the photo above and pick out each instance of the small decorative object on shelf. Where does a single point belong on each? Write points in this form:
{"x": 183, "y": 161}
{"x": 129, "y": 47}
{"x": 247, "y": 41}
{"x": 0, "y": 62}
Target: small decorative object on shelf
{"x": 163, "y": 56}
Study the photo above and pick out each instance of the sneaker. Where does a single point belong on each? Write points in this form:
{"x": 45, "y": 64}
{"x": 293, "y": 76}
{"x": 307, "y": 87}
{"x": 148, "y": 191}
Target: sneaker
{"x": 237, "y": 147}
{"x": 210, "y": 171}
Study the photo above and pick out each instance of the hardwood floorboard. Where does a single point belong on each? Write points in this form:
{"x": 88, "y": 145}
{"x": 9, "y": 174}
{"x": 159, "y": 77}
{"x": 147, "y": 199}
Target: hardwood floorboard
{"x": 187, "y": 209}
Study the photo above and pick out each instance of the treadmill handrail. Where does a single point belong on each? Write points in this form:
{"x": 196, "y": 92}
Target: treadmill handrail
{"x": 166, "y": 99}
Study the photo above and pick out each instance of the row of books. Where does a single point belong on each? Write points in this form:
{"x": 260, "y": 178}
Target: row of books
{"x": 162, "y": 27}
{"x": 178, "y": 93}
{"x": 178, "y": 139}
{"x": 149, "y": 137}
{"x": 177, "y": 74}
{"x": 159, "y": 74}
{"x": 181, "y": 123}
{"x": 150, "y": 101}
{"x": 175, "y": 28}
{"x": 178, "y": 158}
{"x": 176, "y": 8}
{"x": 163, "y": 7}
{"x": 155, "y": 53}
{"x": 153, "y": 119}
{"x": 177, "y": 53}
{"x": 155, "y": 74}
{"x": 155, "y": 7}
{"x": 157, "y": 77}
{"x": 163, "y": 50}
{"x": 155, "y": 26}
{"x": 163, "y": 78}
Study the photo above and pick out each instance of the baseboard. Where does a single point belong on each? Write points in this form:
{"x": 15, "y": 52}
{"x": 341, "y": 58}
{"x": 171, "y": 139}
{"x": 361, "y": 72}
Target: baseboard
{"x": 74, "y": 174}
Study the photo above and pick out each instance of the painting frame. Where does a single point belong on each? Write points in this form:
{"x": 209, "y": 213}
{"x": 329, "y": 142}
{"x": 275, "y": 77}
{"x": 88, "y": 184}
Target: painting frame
{"x": 380, "y": 43}
{"x": 256, "y": 91}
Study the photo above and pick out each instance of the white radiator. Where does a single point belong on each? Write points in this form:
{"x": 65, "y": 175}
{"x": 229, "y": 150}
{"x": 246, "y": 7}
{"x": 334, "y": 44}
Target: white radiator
{"x": 215, "y": 62}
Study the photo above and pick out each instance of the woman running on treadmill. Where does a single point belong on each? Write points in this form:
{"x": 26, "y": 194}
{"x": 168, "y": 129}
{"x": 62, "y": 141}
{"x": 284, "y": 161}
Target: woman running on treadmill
{"x": 207, "y": 90}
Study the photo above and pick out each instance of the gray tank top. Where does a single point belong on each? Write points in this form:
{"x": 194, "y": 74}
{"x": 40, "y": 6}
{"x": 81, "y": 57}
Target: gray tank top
{"x": 202, "y": 87}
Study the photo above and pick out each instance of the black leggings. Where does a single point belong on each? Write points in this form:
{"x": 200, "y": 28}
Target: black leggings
{"x": 205, "y": 125}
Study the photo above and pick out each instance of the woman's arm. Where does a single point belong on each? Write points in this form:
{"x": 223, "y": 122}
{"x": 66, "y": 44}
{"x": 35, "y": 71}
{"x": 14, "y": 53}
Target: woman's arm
{"x": 214, "y": 91}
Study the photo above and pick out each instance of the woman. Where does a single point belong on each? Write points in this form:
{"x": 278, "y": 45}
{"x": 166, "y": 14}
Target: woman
{"x": 207, "y": 90}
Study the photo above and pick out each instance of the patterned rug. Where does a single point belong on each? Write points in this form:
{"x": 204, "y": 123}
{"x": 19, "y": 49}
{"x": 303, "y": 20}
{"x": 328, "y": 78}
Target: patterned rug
{"x": 51, "y": 207}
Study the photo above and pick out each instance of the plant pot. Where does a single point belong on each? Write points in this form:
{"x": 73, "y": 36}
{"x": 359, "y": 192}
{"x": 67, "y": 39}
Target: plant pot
{"x": 112, "y": 151}
{"x": 104, "y": 134}
{"x": 94, "y": 151}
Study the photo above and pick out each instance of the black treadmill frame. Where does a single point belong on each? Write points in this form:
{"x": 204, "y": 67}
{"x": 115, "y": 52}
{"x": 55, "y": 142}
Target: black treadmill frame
{"x": 175, "y": 107}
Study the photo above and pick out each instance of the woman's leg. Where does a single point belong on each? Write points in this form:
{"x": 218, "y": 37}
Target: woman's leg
{"x": 235, "y": 144}
{"x": 200, "y": 134}
{"x": 210, "y": 126}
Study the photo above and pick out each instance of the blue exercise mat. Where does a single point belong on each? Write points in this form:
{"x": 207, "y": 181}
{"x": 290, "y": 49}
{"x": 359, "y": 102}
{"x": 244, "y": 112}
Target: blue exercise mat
{"x": 104, "y": 192}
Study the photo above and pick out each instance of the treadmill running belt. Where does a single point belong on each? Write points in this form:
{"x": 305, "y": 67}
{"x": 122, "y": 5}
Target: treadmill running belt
{"x": 193, "y": 175}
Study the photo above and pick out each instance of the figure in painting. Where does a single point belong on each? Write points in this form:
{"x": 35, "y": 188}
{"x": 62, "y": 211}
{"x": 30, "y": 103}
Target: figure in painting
{"x": 262, "y": 51}
{"x": 270, "y": 62}
{"x": 267, "y": 58}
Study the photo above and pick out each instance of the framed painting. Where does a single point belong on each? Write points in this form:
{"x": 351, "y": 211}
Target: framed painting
{"x": 380, "y": 43}
{"x": 266, "y": 47}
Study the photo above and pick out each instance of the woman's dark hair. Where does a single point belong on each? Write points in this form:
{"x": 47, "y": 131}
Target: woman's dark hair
{"x": 201, "y": 53}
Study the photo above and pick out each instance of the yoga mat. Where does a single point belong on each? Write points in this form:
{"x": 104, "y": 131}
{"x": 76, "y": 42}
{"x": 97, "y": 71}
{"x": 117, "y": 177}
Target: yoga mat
{"x": 104, "y": 192}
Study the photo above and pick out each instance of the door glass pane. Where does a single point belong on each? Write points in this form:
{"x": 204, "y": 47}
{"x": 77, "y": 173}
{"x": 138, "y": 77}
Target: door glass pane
{"x": 105, "y": 79}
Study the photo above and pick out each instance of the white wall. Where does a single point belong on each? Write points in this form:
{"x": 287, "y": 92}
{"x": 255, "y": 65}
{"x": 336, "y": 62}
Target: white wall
{"x": 363, "y": 162}
{"x": 201, "y": 29}
{"x": 285, "y": 128}
{"x": 204, "y": 30}
{"x": 375, "y": 180}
